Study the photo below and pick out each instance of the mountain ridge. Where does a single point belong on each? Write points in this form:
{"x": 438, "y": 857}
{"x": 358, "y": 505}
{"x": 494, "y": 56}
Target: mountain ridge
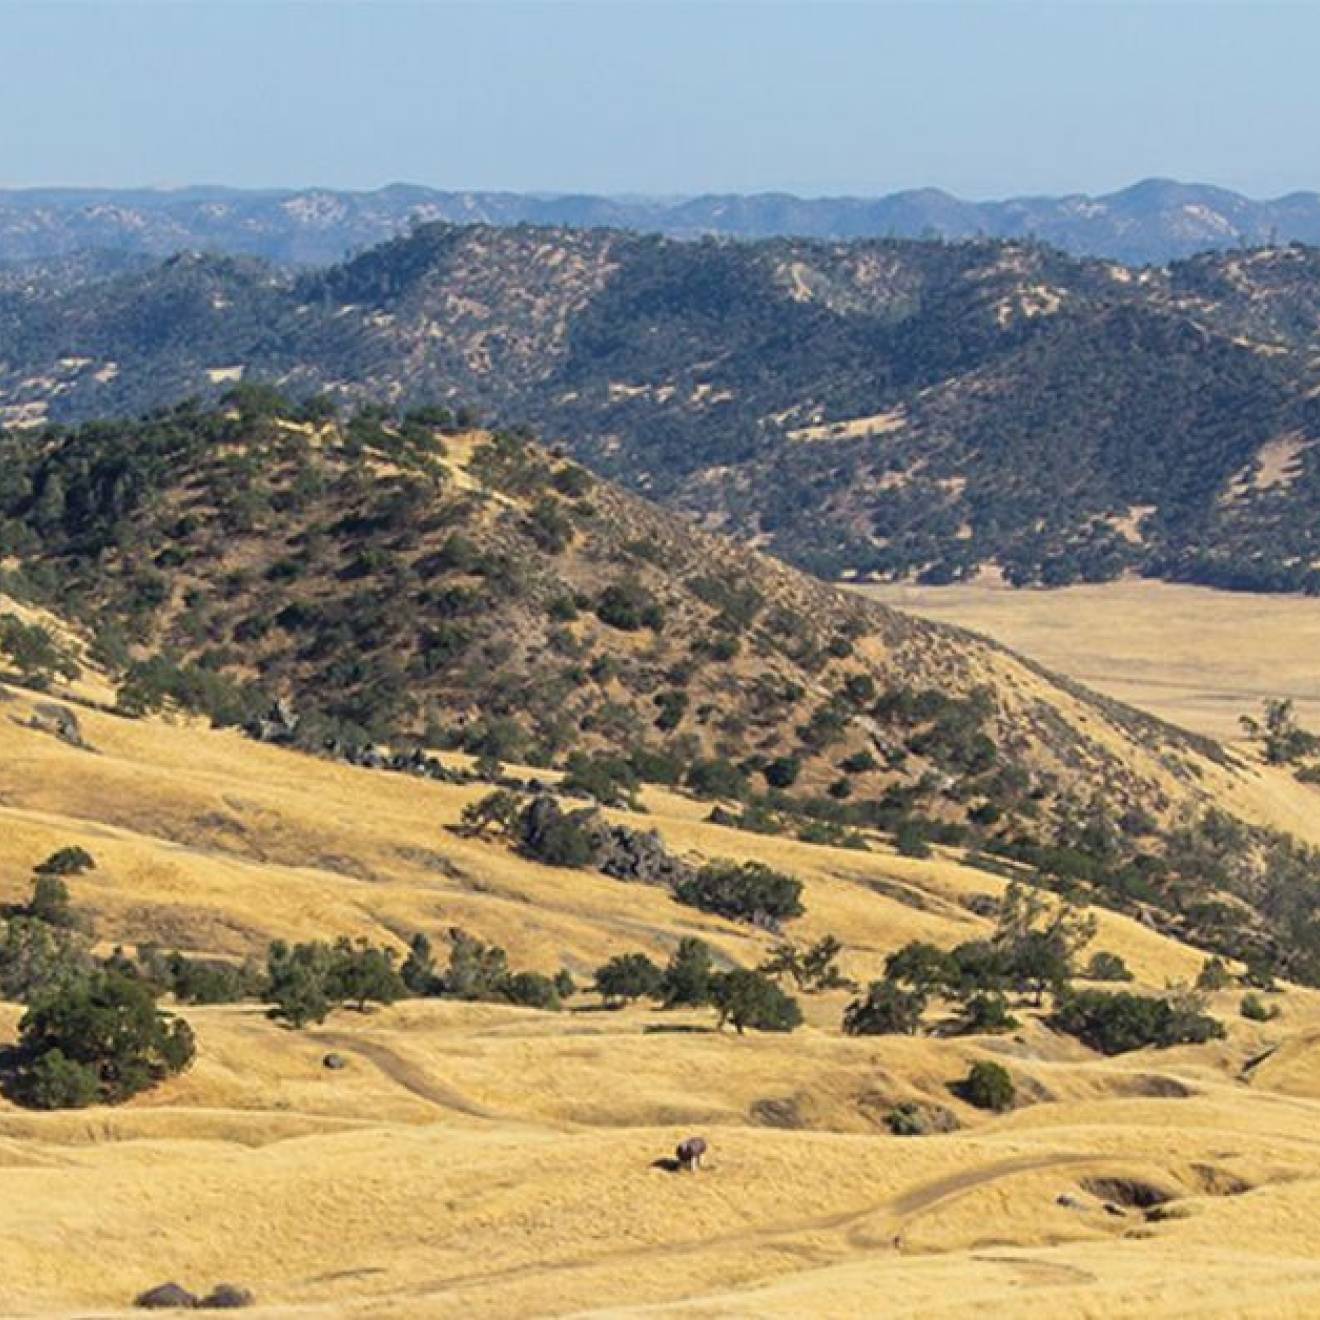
{"x": 1149, "y": 222}
{"x": 875, "y": 408}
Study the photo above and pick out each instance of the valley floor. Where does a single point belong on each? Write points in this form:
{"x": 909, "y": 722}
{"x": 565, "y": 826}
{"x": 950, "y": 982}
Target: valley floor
{"x": 483, "y": 1161}
{"x": 1191, "y": 655}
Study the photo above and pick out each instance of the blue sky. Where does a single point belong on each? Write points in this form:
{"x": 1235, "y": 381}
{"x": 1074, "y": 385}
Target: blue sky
{"x": 984, "y": 98}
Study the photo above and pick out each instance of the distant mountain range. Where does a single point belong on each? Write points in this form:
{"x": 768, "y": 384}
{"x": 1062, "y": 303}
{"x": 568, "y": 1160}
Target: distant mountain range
{"x": 1152, "y": 222}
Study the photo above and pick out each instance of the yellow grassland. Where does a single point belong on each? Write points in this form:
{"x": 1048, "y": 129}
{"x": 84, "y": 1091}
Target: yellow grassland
{"x": 483, "y": 1161}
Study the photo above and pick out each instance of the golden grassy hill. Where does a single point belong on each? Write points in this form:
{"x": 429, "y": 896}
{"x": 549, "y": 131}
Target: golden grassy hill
{"x": 477, "y": 1160}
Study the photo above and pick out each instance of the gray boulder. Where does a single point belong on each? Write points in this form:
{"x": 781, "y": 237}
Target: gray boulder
{"x": 226, "y": 1297}
{"x": 59, "y": 721}
{"x": 166, "y": 1297}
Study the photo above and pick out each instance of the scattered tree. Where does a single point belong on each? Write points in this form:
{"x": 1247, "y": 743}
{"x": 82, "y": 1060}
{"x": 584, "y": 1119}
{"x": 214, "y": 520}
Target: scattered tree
{"x": 1281, "y": 737}
{"x": 686, "y": 978}
{"x": 751, "y": 999}
{"x": 885, "y": 1009}
{"x": 627, "y": 977}
{"x": 100, "y": 1037}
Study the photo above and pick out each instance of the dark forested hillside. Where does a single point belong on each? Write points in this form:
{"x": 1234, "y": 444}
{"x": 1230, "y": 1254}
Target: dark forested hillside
{"x": 886, "y": 407}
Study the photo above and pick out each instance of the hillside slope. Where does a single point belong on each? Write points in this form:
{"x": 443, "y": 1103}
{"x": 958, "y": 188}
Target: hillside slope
{"x": 882, "y": 408}
{"x": 399, "y": 586}
{"x": 484, "y": 1160}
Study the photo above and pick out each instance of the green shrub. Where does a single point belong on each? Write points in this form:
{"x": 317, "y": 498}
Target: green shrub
{"x": 628, "y": 606}
{"x": 672, "y": 706}
{"x": 1214, "y": 975}
{"x": 532, "y": 990}
{"x": 297, "y": 983}
{"x": 562, "y": 840}
{"x": 922, "y": 965}
{"x": 911, "y": 1118}
{"x": 1107, "y": 967}
{"x": 1116, "y": 1022}
{"x": 499, "y": 811}
{"x": 718, "y": 778}
{"x": 50, "y": 902}
{"x": 192, "y": 980}
{"x": 906, "y": 1120}
{"x": 1255, "y": 1009}
{"x": 611, "y": 780}
{"x": 747, "y": 891}
{"x": 813, "y": 969}
{"x": 985, "y": 1014}
{"x": 476, "y": 970}
{"x": 988, "y": 1086}
{"x": 35, "y": 654}
{"x": 418, "y": 970}
{"x": 37, "y": 958}
{"x": 57, "y": 1082}
{"x": 910, "y": 840}
{"x": 361, "y": 973}
{"x": 783, "y": 771}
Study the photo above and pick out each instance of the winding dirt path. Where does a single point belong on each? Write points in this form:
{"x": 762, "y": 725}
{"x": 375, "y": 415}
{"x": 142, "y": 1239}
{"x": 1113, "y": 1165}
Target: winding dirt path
{"x": 414, "y": 1079}
{"x": 875, "y": 1228}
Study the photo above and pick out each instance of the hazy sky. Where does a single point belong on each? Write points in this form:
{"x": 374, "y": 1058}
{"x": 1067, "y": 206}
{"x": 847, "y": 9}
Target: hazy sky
{"x": 984, "y": 98}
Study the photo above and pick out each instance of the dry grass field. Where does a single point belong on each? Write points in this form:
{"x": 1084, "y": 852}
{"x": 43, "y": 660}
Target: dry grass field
{"x": 1191, "y": 655}
{"x": 483, "y": 1161}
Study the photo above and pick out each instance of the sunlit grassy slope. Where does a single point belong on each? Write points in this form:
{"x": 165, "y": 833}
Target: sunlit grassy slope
{"x": 475, "y": 1160}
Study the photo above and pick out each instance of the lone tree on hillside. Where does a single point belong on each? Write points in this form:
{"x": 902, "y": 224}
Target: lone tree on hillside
{"x": 1039, "y": 944}
{"x": 67, "y": 861}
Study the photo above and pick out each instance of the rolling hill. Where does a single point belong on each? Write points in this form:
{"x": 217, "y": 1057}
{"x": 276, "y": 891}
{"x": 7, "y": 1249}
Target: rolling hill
{"x": 878, "y": 409}
{"x": 482, "y": 1159}
{"x": 395, "y": 585}
{"x": 193, "y": 601}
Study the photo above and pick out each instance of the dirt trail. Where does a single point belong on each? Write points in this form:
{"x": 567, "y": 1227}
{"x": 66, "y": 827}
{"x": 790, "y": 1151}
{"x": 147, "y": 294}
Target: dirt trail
{"x": 410, "y": 1076}
{"x": 875, "y": 1228}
